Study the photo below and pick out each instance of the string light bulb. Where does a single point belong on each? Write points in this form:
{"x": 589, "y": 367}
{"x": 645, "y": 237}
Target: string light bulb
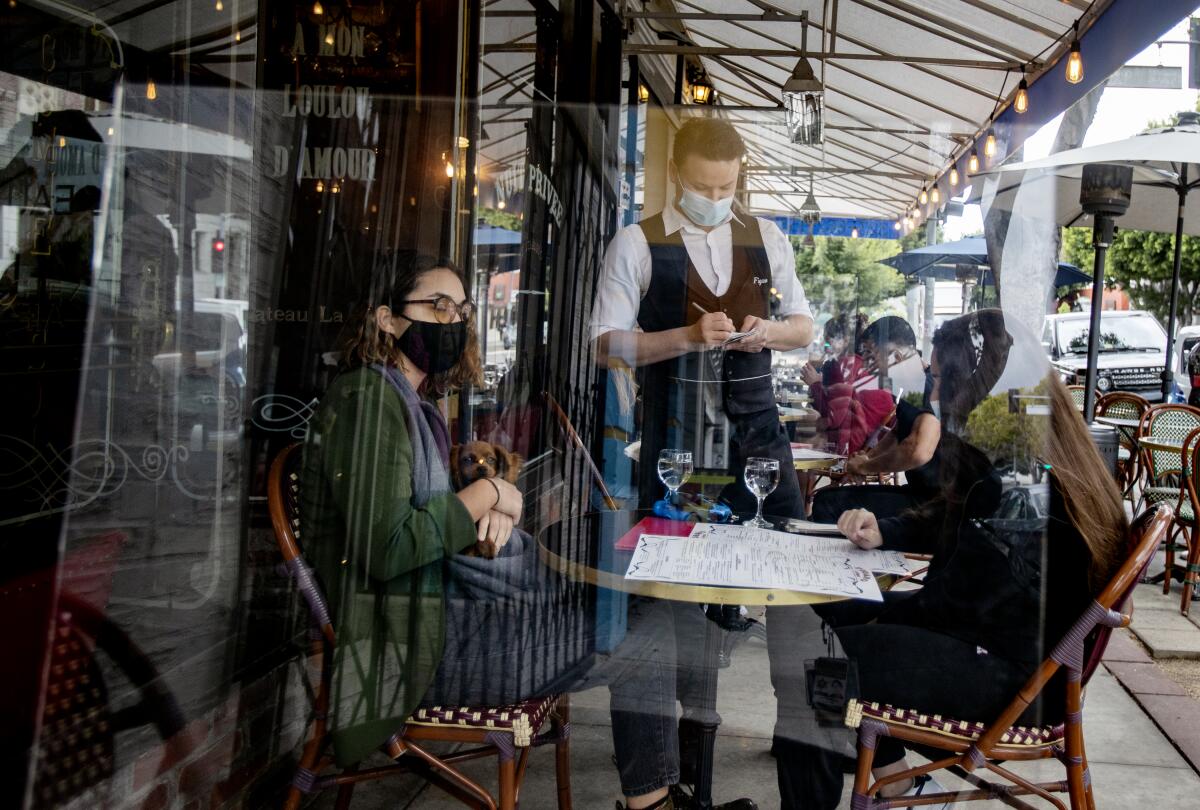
{"x": 501, "y": 205}
{"x": 989, "y": 144}
{"x": 1075, "y": 59}
{"x": 973, "y": 162}
{"x": 329, "y": 35}
{"x": 924, "y": 196}
{"x": 1021, "y": 102}
{"x": 953, "y": 177}
{"x": 237, "y": 36}
{"x": 220, "y": 6}
{"x": 318, "y": 9}
{"x": 896, "y": 225}
{"x": 854, "y": 233}
{"x": 935, "y": 195}
{"x": 449, "y": 169}
{"x": 151, "y": 90}
{"x": 320, "y": 186}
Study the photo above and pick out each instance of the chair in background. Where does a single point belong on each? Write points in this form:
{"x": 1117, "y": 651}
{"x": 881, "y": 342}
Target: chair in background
{"x": 1078, "y": 395}
{"x": 1163, "y": 469}
{"x": 506, "y": 732}
{"x": 977, "y": 745}
{"x": 1124, "y": 405}
{"x": 1189, "y": 508}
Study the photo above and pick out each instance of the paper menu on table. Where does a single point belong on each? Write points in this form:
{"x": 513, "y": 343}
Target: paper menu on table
{"x": 718, "y": 561}
{"x": 797, "y": 526}
{"x": 877, "y": 560}
{"x": 809, "y": 454}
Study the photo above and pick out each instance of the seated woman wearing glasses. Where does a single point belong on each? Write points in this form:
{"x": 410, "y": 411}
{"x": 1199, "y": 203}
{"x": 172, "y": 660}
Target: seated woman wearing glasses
{"x": 418, "y": 621}
{"x": 997, "y": 596}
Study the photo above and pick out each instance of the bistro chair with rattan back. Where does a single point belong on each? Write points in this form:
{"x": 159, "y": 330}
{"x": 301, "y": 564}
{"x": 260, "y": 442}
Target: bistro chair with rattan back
{"x": 1079, "y": 396}
{"x": 505, "y": 732}
{"x": 972, "y": 746}
{"x": 1126, "y": 406}
{"x": 1165, "y": 469}
{"x": 1189, "y": 508}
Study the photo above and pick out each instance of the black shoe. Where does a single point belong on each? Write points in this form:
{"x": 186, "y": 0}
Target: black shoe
{"x": 682, "y": 800}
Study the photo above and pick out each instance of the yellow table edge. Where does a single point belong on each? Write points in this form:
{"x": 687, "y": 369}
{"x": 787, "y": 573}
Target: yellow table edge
{"x": 701, "y": 594}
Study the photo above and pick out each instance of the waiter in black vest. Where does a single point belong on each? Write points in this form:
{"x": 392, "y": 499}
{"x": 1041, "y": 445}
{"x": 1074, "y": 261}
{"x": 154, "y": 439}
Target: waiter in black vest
{"x": 675, "y": 288}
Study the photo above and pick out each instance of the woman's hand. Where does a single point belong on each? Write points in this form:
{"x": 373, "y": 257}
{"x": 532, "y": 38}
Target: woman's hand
{"x": 861, "y": 528}
{"x": 511, "y": 502}
{"x": 492, "y": 533}
{"x": 809, "y": 374}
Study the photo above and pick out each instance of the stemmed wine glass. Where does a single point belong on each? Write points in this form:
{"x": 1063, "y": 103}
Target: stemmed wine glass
{"x": 674, "y": 469}
{"x": 761, "y": 476}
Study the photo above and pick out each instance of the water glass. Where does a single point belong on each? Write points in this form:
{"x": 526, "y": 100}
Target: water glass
{"x": 674, "y": 469}
{"x": 761, "y": 477}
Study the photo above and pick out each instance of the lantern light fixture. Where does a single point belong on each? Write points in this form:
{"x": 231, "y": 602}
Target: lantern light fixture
{"x": 804, "y": 101}
{"x": 643, "y": 93}
{"x": 702, "y": 91}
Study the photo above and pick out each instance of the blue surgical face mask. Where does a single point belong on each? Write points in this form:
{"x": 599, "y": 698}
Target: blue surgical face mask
{"x": 703, "y": 211}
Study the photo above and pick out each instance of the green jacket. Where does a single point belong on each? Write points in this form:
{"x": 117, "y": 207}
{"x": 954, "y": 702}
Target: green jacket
{"x": 381, "y": 559}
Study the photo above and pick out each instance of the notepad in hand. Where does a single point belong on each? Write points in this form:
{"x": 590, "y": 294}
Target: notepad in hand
{"x": 736, "y": 336}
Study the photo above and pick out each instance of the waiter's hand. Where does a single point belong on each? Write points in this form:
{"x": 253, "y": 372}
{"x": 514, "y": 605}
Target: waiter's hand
{"x": 861, "y": 528}
{"x": 711, "y": 330}
{"x": 757, "y": 340}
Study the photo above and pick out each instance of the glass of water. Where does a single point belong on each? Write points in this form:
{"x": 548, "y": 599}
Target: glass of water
{"x": 674, "y": 469}
{"x": 761, "y": 477}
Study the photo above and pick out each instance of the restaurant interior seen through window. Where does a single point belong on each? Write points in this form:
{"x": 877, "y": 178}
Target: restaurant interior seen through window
{"x": 590, "y": 402}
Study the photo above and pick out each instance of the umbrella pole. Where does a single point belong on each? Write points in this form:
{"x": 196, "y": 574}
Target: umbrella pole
{"x": 1168, "y": 374}
{"x": 1102, "y": 236}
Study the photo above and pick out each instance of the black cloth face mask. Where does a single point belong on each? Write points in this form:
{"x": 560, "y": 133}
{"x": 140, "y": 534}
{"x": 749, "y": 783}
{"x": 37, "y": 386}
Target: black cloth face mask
{"x": 433, "y": 347}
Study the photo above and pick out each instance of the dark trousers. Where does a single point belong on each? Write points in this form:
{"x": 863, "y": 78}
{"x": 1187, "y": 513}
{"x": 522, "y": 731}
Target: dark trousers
{"x": 761, "y": 434}
{"x": 906, "y": 666}
{"x": 883, "y": 501}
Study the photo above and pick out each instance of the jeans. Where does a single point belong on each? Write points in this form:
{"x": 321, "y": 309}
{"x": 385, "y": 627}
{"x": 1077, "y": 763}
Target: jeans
{"x": 906, "y": 666}
{"x": 529, "y": 633}
{"x": 761, "y": 434}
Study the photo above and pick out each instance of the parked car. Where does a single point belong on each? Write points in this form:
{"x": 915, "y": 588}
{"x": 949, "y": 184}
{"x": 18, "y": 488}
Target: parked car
{"x": 1132, "y": 348}
{"x": 1187, "y": 339}
{"x": 1193, "y": 375}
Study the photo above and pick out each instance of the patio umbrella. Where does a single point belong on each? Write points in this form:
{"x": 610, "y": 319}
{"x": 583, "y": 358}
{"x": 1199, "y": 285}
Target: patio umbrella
{"x": 942, "y": 261}
{"x": 1166, "y": 166}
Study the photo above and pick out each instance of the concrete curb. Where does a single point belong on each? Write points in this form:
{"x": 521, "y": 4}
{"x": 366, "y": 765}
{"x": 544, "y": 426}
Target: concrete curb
{"x": 1170, "y": 708}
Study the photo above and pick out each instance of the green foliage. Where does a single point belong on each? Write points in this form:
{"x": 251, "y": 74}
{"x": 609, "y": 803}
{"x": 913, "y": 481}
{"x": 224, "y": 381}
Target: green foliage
{"x": 1141, "y": 262}
{"x": 844, "y": 275}
{"x": 1008, "y": 437}
{"x": 499, "y": 219}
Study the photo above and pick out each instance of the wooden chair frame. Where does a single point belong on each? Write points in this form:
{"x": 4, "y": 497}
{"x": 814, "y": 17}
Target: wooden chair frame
{"x": 1079, "y": 652}
{"x": 1130, "y": 472}
{"x": 405, "y": 747}
{"x": 1153, "y": 471}
{"x": 1190, "y": 460}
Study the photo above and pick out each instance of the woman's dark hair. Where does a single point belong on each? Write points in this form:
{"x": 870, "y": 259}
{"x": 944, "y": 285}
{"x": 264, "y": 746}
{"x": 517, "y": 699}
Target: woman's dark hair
{"x": 890, "y": 330}
{"x": 972, "y": 351}
{"x": 710, "y": 138}
{"x": 392, "y": 280}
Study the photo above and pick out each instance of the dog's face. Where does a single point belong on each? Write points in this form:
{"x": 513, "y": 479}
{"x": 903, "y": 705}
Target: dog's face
{"x": 475, "y": 460}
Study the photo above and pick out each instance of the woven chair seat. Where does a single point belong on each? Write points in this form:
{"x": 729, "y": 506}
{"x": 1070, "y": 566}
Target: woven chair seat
{"x": 522, "y": 720}
{"x": 1156, "y": 495}
{"x": 967, "y": 731}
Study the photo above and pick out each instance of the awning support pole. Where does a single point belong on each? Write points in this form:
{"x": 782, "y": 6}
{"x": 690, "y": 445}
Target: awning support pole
{"x": 1168, "y": 375}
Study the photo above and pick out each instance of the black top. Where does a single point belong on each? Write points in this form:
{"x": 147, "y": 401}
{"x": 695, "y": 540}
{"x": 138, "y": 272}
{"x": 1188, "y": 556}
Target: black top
{"x": 1011, "y": 587}
{"x": 923, "y": 479}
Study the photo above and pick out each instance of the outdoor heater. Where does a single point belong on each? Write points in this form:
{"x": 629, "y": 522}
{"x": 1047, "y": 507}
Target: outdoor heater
{"x": 1104, "y": 192}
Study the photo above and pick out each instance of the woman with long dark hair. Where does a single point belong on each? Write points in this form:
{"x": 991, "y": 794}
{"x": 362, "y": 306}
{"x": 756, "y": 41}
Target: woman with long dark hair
{"x": 419, "y": 621}
{"x": 995, "y": 599}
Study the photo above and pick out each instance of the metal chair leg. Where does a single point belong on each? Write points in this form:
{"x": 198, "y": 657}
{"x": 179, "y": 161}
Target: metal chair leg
{"x": 1193, "y": 568}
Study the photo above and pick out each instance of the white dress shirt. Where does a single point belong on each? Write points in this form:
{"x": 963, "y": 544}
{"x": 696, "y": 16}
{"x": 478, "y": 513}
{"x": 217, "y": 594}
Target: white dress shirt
{"x": 626, "y": 273}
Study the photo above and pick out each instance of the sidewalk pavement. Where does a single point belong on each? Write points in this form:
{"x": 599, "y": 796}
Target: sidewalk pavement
{"x": 1133, "y": 762}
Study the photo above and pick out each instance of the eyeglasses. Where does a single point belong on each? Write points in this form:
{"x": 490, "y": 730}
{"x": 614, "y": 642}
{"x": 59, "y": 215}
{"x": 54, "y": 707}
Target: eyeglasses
{"x": 445, "y": 308}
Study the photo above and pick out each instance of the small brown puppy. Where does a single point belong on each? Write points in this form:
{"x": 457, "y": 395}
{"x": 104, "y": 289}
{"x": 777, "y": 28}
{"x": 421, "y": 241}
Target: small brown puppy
{"x": 473, "y": 461}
